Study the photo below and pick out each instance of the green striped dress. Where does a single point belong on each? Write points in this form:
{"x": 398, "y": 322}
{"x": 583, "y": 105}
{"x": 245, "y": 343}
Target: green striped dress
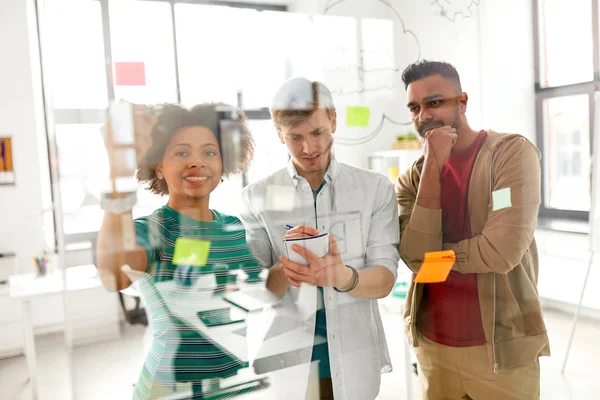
{"x": 179, "y": 353}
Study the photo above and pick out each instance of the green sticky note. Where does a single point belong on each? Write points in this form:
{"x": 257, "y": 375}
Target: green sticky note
{"x": 191, "y": 252}
{"x": 358, "y": 116}
{"x": 501, "y": 199}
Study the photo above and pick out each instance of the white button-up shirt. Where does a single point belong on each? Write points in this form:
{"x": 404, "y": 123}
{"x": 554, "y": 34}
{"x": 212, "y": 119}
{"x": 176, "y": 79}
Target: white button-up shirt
{"x": 358, "y": 207}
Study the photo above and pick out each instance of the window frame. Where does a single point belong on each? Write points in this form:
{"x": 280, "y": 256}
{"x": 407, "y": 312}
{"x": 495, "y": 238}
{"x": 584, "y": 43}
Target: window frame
{"x": 545, "y": 93}
{"x": 94, "y": 116}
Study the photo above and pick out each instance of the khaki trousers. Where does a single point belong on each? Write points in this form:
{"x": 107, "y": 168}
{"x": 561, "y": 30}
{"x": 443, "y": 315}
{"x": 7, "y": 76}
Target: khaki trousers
{"x": 453, "y": 373}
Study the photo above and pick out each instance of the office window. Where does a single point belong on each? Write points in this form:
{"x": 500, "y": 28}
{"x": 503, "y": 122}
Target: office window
{"x": 566, "y": 80}
{"x": 147, "y": 41}
{"x": 270, "y": 154}
{"x": 82, "y": 174}
{"x": 156, "y": 52}
{"x": 76, "y": 55}
{"x": 567, "y": 161}
{"x": 566, "y": 42}
{"x": 210, "y": 52}
{"x": 224, "y": 51}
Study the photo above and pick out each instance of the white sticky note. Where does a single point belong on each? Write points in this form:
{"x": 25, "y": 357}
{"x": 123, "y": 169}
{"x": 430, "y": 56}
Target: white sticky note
{"x": 128, "y": 232}
{"x": 280, "y": 198}
{"x": 121, "y": 121}
{"x": 124, "y": 161}
{"x": 501, "y": 199}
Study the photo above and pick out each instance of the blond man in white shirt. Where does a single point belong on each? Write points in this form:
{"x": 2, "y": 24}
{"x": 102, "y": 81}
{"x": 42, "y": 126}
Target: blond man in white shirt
{"x": 337, "y": 293}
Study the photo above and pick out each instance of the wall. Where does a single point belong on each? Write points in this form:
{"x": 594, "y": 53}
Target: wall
{"x": 436, "y": 38}
{"x": 494, "y": 59}
{"x": 564, "y": 259}
{"x": 507, "y": 69}
{"x": 22, "y": 116}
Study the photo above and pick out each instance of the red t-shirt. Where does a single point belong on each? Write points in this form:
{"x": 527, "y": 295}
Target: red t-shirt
{"x": 449, "y": 312}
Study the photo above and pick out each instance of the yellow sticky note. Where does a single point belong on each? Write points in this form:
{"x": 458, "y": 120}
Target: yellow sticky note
{"x": 358, "y": 116}
{"x": 191, "y": 252}
{"x": 436, "y": 267}
{"x": 501, "y": 199}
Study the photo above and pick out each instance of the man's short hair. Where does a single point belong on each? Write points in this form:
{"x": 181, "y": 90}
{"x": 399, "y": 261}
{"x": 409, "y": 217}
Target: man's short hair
{"x": 425, "y": 68}
{"x": 298, "y": 99}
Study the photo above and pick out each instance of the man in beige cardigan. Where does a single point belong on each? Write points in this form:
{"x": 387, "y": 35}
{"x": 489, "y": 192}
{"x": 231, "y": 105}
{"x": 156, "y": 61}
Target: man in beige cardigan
{"x": 479, "y": 334}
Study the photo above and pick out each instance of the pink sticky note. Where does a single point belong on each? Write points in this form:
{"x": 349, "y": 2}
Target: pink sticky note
{"x": 130, "y": 74}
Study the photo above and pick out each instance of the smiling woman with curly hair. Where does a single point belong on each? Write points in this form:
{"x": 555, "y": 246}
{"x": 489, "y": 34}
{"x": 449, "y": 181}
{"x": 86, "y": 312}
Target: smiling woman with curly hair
{"x": 186, "y": 160}
{"x": 175, "y": 117}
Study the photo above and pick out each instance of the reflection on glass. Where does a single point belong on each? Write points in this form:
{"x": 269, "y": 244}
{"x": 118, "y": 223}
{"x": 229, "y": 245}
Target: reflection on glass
{"x": 265, "y": 62}
{"x": 566, "y": 135}
{"x": 269, "y": 154}
{"x": 565, "y": 42}
{"x": 224, "y": 50}
{"x": 76, "y": 63}
{"x": 83, "y": 176}
{"x": 211, "y": 51}
{"x": 378, "y": 56}
{"x": 82, "y": 167}
{"x": 226, "y": 197}
{"x": 339, "y": 58}
{"x": 142, "y": 31}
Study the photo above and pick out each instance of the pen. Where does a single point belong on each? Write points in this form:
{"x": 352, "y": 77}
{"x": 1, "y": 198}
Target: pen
{"x": 288, "y": 227}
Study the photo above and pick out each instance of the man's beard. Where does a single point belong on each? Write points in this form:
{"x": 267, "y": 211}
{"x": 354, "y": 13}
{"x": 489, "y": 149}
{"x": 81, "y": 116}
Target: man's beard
{"x": 438, "y": 123}
{"x": 427, "y": 126}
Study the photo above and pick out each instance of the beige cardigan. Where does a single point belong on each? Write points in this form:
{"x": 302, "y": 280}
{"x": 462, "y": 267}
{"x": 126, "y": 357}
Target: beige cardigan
{"x": 502, "y": 250}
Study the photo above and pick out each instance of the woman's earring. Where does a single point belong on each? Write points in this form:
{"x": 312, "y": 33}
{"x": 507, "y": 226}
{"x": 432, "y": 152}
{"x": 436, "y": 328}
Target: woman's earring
{"x": 222, "y": 180}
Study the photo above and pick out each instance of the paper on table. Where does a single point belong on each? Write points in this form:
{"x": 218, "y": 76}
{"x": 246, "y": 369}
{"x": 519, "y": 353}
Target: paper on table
{"x": 436, "y": 267}
{"x": 258, "y": 325}
{"x": 132, "y": 274}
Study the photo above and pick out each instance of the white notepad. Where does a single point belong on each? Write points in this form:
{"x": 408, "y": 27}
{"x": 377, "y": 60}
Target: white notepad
{"x": 318, "y": 245}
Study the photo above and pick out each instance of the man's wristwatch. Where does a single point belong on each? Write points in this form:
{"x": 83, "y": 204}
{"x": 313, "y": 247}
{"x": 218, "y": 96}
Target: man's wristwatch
{"x": 354, "y": 281}
{"x": 119, "y": 205}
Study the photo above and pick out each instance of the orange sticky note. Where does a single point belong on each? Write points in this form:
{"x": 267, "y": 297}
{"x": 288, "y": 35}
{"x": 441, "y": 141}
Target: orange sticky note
{"x": 436, "y": 266}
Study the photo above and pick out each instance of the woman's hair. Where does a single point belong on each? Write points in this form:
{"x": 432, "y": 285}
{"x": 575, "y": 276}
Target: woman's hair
{"x": 173, "y": 117}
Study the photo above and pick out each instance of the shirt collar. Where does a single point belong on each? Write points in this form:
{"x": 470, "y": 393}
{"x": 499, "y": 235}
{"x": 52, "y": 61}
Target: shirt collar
{"x": 330, "y": 176}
